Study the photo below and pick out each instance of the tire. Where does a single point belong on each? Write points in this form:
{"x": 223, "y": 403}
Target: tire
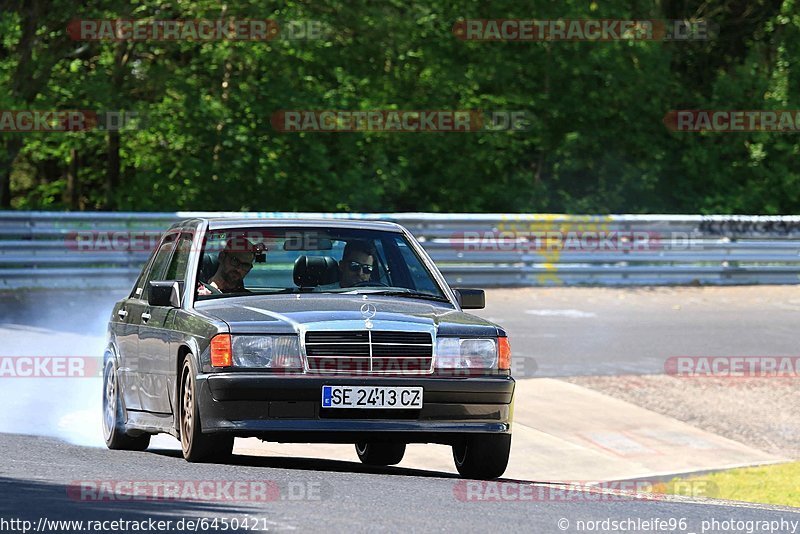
{"x": 377, "y": 453}
{"x": 482, "y": 457}
{"x": 114, "y": 431}
{"x": 196, "y": 446}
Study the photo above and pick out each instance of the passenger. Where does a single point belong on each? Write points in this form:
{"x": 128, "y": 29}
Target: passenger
{"x": 356, "y": 264}
{"x": 235, "y": 261}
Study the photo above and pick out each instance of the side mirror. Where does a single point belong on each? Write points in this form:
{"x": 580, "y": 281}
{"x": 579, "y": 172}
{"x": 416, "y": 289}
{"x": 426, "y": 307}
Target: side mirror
{"x": 165, "y": 293}
{"x": 471, "y": 299}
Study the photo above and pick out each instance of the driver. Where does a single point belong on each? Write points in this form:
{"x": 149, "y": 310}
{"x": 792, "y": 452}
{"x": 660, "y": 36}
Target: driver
{"x": 357, "y": 263}
{"x": 235, "y": 261}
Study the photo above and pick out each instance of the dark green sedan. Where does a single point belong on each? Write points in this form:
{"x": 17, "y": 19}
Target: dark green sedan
{"x": 293, "y": 330}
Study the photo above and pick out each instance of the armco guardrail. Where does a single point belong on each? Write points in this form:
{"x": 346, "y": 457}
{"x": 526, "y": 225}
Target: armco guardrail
{"x": 92, "y": 249}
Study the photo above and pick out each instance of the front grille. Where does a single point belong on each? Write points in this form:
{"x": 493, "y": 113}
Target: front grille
{"x": 368, "y": 352}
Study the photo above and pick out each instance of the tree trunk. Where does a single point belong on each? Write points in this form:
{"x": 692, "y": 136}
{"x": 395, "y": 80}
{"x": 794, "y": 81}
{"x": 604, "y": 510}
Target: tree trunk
{"x": 73, "y": 186}
{"x": 121, "y": 56}
{"x": 5, "y": 189}
{"x": 226, "y": 77}
{"x": 13, "y": 145}
{"x": 112, "y": 176}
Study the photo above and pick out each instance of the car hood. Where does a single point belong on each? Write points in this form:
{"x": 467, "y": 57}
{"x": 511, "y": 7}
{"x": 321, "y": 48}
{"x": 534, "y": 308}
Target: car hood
{"x": 290, "y": 313}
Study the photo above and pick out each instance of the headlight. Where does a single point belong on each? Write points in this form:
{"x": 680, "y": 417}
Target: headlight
{"x": 266, "y": 352}
{"x": 458, "y": 353}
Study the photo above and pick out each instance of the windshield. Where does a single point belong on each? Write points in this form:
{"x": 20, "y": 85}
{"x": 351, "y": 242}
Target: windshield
{"x": 298, "y": 260}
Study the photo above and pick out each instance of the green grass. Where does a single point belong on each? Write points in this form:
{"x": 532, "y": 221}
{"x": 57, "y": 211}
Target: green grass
{"x": 769, "y": 484}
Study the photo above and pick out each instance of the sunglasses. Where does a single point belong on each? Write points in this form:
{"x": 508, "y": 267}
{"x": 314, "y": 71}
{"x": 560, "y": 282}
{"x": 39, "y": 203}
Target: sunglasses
{"x": 363, "y": 267}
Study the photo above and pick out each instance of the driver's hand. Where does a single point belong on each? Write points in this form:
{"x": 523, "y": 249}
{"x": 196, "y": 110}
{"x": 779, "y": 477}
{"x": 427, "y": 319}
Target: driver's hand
{"x": 203, "y": 290}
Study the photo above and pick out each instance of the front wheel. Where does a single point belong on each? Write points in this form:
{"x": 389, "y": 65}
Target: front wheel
{"x": 196, "y": 446}
{"x": 380, "y": 453}
{"x": 114, "y": 430}
{"x": 482, "y": 457}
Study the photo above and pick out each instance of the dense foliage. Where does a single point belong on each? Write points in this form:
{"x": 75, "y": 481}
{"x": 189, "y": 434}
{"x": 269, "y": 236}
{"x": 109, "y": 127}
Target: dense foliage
{"x": 595, "y": 140}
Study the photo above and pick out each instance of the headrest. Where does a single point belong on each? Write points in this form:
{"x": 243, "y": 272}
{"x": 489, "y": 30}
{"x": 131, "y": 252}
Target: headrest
{"x": 209, "y": 266}
{"x": 311, "y": 271}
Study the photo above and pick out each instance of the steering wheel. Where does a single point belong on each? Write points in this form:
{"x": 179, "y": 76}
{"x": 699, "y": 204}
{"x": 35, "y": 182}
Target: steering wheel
{"x": 214, "y": 290}
{"x": 367, "y": 283}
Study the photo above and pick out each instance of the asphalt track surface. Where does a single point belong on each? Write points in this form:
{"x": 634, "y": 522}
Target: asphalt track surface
{"x": 333, "y": 496}
{"x": 563, "y": 332}
{"x": 614, "y": 331}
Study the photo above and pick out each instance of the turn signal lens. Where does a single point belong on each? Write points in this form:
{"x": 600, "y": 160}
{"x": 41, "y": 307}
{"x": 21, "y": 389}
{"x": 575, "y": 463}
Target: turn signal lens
{"x": 504, "y": 353}
{"x": 221, "y": 354}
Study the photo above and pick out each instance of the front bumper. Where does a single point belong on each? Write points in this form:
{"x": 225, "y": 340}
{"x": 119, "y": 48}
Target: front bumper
{"x": 287, "y": 408}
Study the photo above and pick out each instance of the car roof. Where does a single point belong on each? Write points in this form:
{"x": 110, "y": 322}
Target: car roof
{"x": 223, "y": 223}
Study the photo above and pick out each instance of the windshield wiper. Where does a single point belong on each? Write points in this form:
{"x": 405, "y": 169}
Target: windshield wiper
{"x": 408, "y": 293}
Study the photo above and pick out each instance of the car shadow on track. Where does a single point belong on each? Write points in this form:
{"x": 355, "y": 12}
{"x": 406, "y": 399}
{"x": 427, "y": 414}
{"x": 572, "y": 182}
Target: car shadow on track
{"x": 315, "y": 464}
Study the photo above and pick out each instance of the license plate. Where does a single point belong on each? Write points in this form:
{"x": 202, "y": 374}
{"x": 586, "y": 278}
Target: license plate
{"x": 371, "y": 397}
